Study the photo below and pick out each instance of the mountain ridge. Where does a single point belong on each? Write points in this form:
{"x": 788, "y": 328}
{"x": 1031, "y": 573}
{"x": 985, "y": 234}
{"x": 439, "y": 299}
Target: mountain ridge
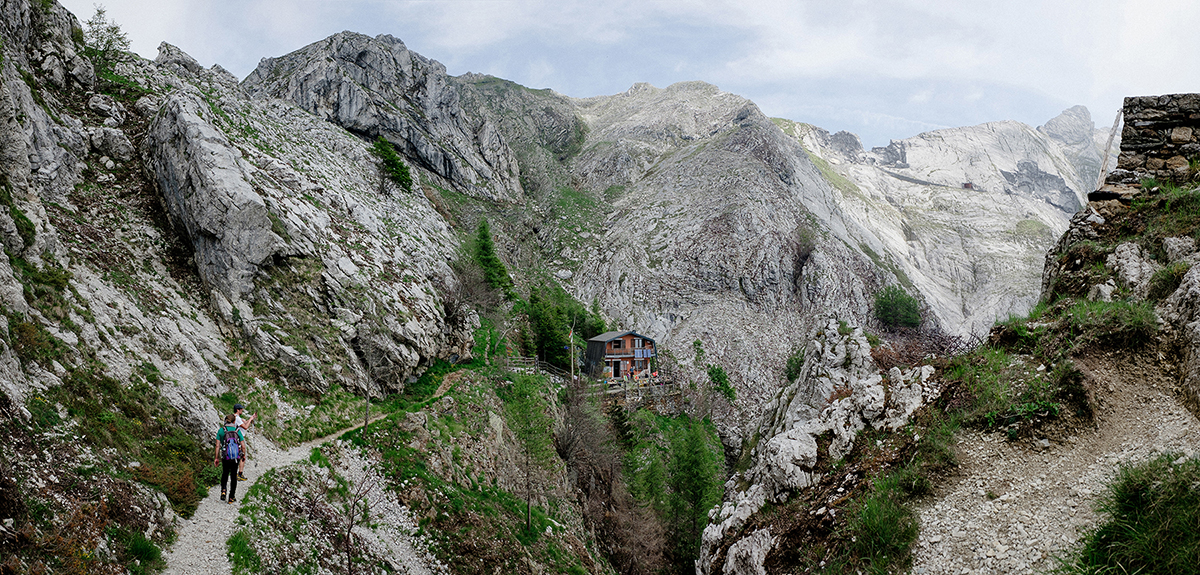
{"x": 176, "y": 238}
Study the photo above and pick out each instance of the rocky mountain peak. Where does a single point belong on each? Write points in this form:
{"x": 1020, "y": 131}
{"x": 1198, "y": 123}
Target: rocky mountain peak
{"x": 1073, "y": 126}
{"x": 376, "y": 87}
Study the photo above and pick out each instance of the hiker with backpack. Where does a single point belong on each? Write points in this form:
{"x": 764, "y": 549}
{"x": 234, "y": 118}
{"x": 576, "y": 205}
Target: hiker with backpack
{"x": 228, "y": 453}
{"x": 242, "y": 424}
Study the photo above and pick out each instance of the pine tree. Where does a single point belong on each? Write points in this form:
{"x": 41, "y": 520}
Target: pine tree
{"x": 527, "y": 418}
{"x": 494, "y": 272}
{"x": 547, "y": 322}
{"x": 390, "y": 164}
{"x": 695, "y": 487}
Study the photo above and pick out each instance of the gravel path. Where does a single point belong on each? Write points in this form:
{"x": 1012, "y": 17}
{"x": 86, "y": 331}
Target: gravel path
{"x": 200, "y": 546}
{"x": 1015, "y": 506}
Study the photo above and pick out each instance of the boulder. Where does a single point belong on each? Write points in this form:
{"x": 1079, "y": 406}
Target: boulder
{"x": 113, "y": 143}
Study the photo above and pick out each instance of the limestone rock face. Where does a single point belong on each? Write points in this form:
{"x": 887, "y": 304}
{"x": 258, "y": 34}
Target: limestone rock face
{"x": 197, "y": 216}
{"x": 339, "y": 282}
{"x": 542, "y": 127}
{"x": 965, "y": 215}
{"x": 839, "y": 391}
{"x": 208, "y": 193}
{"x": 377, "y": 87}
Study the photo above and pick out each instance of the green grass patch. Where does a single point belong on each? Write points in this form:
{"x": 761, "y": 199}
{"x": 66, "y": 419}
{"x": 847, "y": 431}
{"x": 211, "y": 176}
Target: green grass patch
{"x": 1150, "y": 521}
{"x": 25, "y": 227}
{"x": 141, "y": 555}
{"x": 997, "y": 390}
{"x": 1117, "y": 323}
{"x": 133, "y": 418}
{"x": 242, "y": 556}
{"x": 1165, "y": 281}
{"x": 45, "y": 286}
{"x": 883, "y": 527}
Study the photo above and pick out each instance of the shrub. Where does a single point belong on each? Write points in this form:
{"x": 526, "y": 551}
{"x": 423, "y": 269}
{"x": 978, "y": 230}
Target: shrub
{"x": 795, "y": 365}
{"x": 104, "y": 39}
{"x": 391, "y": 165}
{"x": 720, "y": 381}
{"x": 1151, "y": 521}
{"x": 895, "y": 308}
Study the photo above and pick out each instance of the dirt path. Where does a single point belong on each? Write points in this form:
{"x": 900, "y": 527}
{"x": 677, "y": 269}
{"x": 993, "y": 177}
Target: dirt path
{"x": 200, "y": 546}
{"x": 1015, "y": 506}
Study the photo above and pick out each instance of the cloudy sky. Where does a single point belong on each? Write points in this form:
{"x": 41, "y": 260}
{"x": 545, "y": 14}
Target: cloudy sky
{"x": 883, "y": 69}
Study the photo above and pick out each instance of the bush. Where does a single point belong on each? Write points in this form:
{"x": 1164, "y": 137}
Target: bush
{"x": 795, "y": 365}
{"x": 104, "y": 40}
{"x": 1152, "y": 521}
{"x": 391, "y": 165}
{"x": 895, "y": 308}
{"x": 720, "y": 382}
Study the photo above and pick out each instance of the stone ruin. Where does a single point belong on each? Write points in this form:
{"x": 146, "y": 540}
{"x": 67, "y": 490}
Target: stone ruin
{"x": 1160, "y": 140}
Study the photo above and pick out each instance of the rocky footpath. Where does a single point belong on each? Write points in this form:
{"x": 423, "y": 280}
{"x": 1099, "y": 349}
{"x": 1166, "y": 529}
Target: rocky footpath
{"x": 1013, "y": 507}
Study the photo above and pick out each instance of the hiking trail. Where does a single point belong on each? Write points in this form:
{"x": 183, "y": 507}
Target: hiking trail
{"x": 1013, "y": 507}
{"x": 199, "y": 548}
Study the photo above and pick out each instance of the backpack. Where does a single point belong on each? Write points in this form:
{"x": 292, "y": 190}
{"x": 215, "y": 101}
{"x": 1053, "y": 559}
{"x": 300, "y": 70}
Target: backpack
{"x": 231, "y": 445}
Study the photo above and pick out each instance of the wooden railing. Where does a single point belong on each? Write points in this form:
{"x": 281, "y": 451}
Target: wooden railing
{"x": 533, "y": 365}
{"x": 628, "y": 389}
{"x": 640, "y": 388}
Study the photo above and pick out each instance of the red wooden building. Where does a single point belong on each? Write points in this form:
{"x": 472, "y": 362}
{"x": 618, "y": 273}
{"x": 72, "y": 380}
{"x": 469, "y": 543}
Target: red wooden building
{"x": 618, "y": 354}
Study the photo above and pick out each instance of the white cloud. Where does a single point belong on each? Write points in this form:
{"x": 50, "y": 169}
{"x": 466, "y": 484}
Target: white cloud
{"x": 1042, "y": 54}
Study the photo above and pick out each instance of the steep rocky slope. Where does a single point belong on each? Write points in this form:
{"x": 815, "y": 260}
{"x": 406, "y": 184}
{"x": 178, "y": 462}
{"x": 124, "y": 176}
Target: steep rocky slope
{"x": 1099, "y": 375}
{"x": 169, "y": 240}
{"x": 175, "y": 238}
{"x": 963, "y": 213}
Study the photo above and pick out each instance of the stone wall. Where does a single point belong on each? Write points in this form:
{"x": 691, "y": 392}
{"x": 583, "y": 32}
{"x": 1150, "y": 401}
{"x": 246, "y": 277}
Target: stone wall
{"x": 1161, "y": 139}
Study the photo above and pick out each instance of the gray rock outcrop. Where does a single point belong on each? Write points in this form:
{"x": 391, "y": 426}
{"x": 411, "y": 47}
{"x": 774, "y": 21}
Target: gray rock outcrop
{"x": 964, "y": 215}
{"x": 840, "y": 392}
{"x": 274, "y": 231}
{"x": 376, "y": 87}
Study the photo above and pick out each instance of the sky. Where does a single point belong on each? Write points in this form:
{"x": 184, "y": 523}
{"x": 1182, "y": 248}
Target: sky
{"x": 882, "y": 69}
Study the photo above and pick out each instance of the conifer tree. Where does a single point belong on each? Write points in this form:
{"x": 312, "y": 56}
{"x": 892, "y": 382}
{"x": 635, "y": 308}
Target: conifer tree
{"x": 494, "y": 272}
{"x": 695, "y": 487}
{"x": 528, "y": 420}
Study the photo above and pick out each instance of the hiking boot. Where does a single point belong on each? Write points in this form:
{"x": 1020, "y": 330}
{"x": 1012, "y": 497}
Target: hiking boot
{"x": 222, "y": 495}
{"x": 232, "y": 501}
{"x": 242, "y": 477}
